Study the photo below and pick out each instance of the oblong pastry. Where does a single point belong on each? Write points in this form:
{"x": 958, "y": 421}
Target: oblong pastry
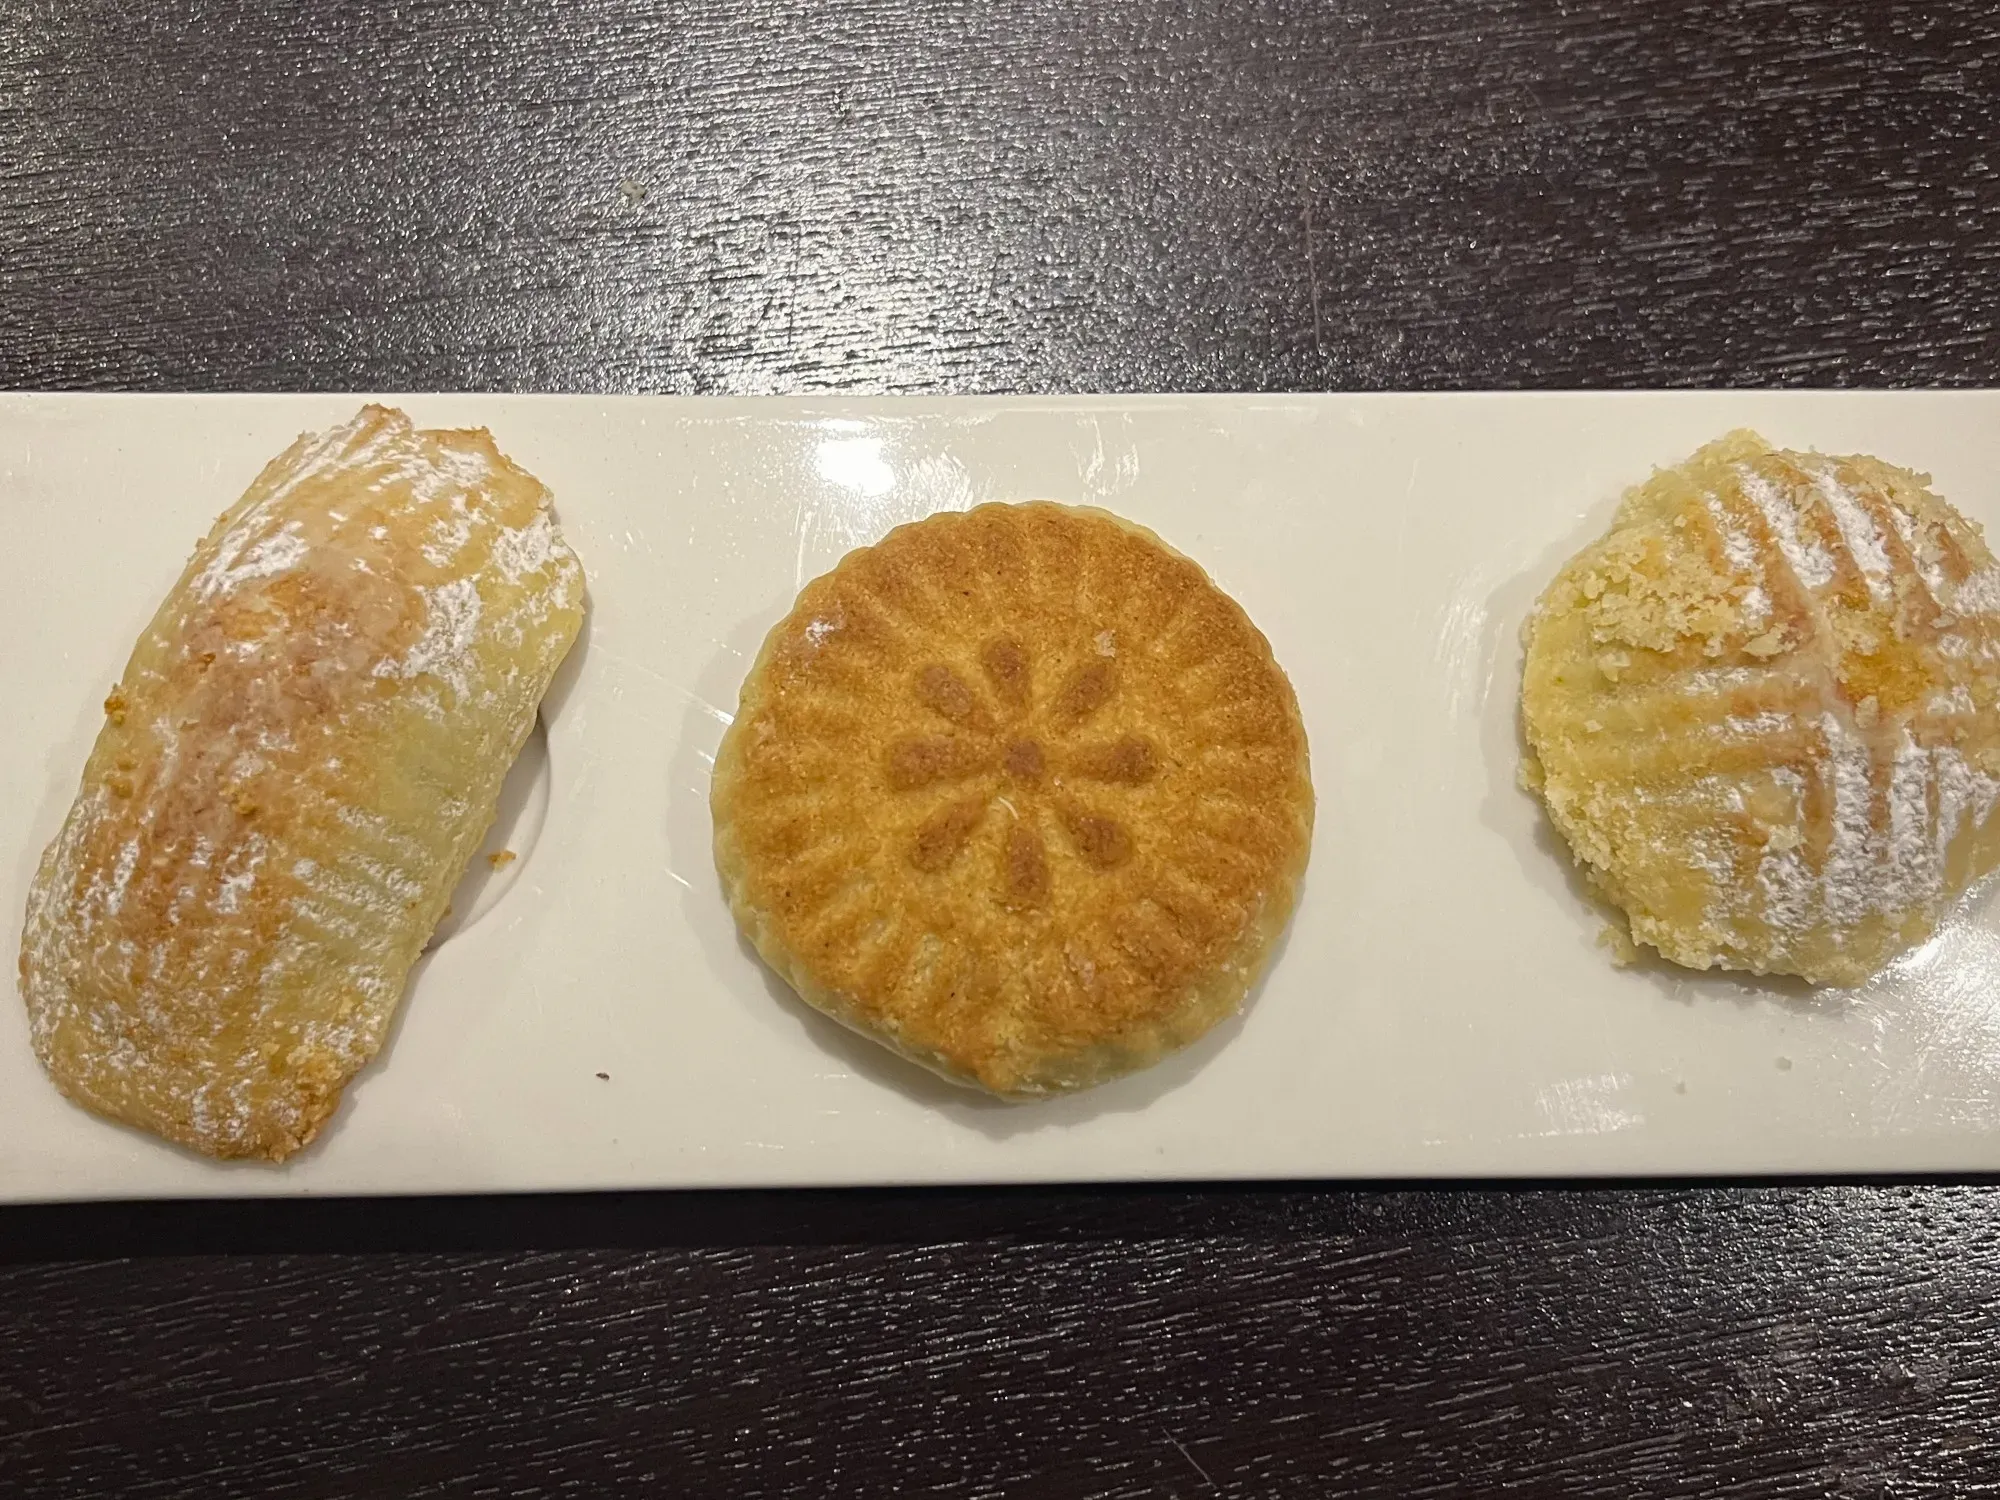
{"x": 305, "y": 749}
{"x": 1019, "y": 793}
{"x": 1765, "y": 710}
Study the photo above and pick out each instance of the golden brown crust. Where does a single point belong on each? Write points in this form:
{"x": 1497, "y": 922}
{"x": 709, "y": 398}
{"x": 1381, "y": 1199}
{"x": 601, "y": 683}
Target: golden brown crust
{"x": 1019, "y": 793}
{"x": 303, "y": 752}
{"x": 1765, "y": 710}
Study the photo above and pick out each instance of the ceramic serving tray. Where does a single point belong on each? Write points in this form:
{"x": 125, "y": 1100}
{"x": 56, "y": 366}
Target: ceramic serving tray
{"x": 589, "y": 1019}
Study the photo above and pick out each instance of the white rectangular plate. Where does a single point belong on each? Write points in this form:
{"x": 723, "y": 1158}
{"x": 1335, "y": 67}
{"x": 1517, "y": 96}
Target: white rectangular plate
{"x": 1440, "y": 1007}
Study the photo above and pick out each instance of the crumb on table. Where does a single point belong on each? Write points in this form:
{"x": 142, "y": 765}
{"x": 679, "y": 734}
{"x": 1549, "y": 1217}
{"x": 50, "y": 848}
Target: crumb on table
{"x": 501, "y": 859}
{"x": 1624, "y": 952}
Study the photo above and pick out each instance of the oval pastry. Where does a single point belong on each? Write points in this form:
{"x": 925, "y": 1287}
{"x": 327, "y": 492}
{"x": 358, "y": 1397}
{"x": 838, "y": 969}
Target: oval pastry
{"x": 1019, "y": 793}
{"x": 305, "y": 749}
{"x": 1765, "y": 710}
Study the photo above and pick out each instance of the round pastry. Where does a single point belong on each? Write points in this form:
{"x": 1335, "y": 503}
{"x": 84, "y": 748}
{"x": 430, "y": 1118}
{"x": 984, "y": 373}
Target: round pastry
{"x": 1765, "y": 710}
{"x": 1019, "y": 793}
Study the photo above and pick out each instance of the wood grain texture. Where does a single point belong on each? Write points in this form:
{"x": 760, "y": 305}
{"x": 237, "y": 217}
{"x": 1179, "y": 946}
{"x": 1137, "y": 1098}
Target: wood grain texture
{"x": 937, "y": 195}
{"x": 1803, "y": 1342}
{"x": 926, "y": 195}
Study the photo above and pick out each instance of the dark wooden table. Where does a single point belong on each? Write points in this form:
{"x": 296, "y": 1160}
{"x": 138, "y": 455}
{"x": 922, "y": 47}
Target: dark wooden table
{"x": 941, "y": 195}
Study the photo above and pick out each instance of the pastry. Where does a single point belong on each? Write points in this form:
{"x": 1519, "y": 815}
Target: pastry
{"x": 1765, "y": 710}
{"x": 1019, "y": 793}
{"x": 305, "y": 750}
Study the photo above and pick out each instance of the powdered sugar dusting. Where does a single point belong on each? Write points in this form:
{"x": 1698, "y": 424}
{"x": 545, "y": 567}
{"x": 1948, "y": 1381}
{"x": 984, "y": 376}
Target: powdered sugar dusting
{"x": 241, "y": 560}
{"x": 1979, "y": 594}
{"x": 1720, "y": 679}
{"x": 1738, "y": 548}
{"x": 451, "y": 626}
{"x": 121, "y": 876}
{"x": 448, "y": 535}
{"x": 529, "y": 549}
{"x": 1789, "y": 891}
{"x": 242, "y": 878}
{"x": 1927, "y": 797}
{"x": 1850, "y": 869}
{"x": 1769, "y": 722}
{"x": 1981, "y": 793}
{"x": 1914, "y": 872}
{"x": 1741, "y": 553}
{"x": 447, "y": 473}
{"x": 1857, "y": 530}
{"x": 1808, "y": 560}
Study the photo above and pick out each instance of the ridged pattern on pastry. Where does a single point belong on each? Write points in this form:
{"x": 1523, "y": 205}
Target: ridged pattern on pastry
{"x": 1765, "y": 710}
{"x": 1019, "y": 793}
{"x": 306, "y": 747}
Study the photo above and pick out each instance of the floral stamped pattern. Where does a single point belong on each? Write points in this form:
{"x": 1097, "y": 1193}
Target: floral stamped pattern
{"x": 999, "y": 745}
{"x": 1019, "y": 793}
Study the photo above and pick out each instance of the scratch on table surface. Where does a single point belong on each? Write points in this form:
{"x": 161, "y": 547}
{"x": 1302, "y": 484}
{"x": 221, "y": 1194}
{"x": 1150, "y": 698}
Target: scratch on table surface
{"x": 1182, "y": 1447}
{"x": 1405, "y": 517}
{"x": 1312, "y": 271}
{"x": 799, "y": 523}
{"x": 714, "y": 711}
{"x": 1102, "y": 475}
{"x": 1587, "y": 1105}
